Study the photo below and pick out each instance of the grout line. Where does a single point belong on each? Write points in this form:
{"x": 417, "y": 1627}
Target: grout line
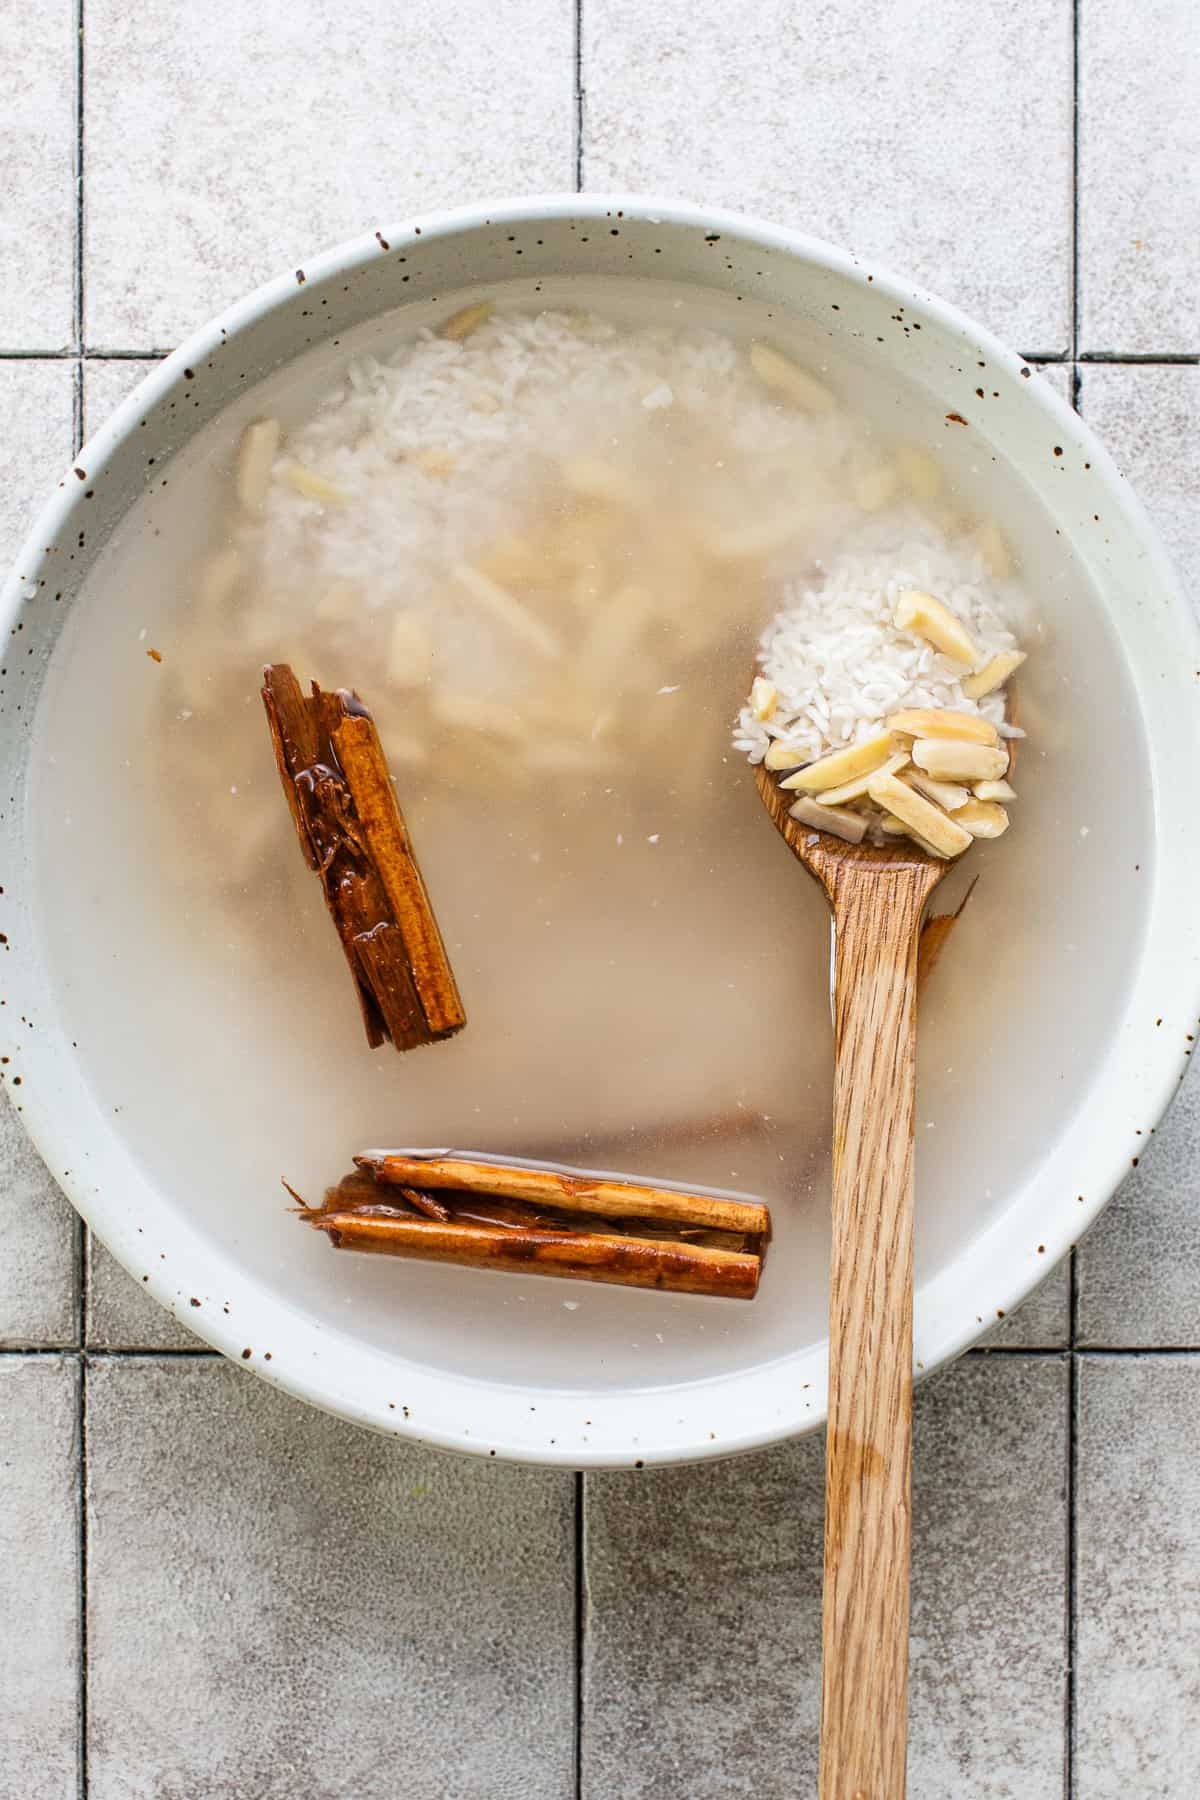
{"x": 77, "y": 278}
{"x": 578, "y": 96}
{"x": 1075, "y": 5}
{"x": 83, "y": 1553}
{"x": 92, "y": 1353}
{"x": 580, "y": 1620}
{"x": 1161, "y": 359}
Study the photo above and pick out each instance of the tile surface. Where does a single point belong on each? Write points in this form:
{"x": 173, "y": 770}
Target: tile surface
{"x": 1139, "y": 176}
{"x": 703, "y": 1595}
{"x": 38, "y": 400}
{"x": 226, "y": 144}
{"x": 38, "y": 1231}
{"x": 121, "y": 1315}
{"x": 908, "y": 133}
{"x": 279, "y": 1604}
{"x": 37, "y": 1227}
{"x": 1139, "y": 1268}
{"x": 39, "y": 1578}
{"x": 1137, "y": 1592}
{"x": 37, "y": 176}
{"x": 105, "y": 385}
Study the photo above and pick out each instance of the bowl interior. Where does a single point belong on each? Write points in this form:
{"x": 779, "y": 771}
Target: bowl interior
{"x": 185, "y": 1083}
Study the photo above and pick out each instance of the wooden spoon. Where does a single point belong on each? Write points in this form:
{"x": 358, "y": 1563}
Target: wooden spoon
{"x": 877, "y": 894}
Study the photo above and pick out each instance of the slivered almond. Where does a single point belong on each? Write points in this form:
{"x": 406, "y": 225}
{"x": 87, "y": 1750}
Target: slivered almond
{"x": 994, "y": 790}
{"x": 782, "y": 755}
{"x": 935, "y": 829}
{"x": 256, "y": 454}
{"x": 763, "y": 696}
{"x": 841, "y": 766}
{"x": 786, "y": 377}
{"x": 839, "y": 821}
{"x": 930, "y": 722}
{"x": 946, "y": 794}
{"x": 931, "y": 619}
{"x": 873, "y": 488}
{"x": 919, "y": 472}
{"x": 469, "y": 712}
{"x": 993, "y": 674}
{"x": 993, "y": 547}
{"x": 614, "y": 632}
{"x": 982, "y": 819}
{"x": 338, "y": 603}
{"x": 952, "y": 759}
{"x": 410, "y": 651}
{"x": 509, "y": 612}
{"x": 313, "y": 485}
{"x": 436, "y": 462}
{"x": 220, "y": 577}
{"x": 856, "y": 789}
{"x": 461, "y": 324}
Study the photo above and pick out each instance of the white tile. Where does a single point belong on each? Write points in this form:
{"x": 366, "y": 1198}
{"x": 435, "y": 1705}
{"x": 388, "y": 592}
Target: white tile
{"x": 1042, "y": 1322}
{"x": 1139, "y": 1268}
{"x": 937, "y": 139}
{"x": 121, "y": 1316}
{"x": 37, "y": 1229}
{"x": 1137, "y": 1584}
{"x": 225, "y": 144}
{"x": 1139, "y": 177}
{"x": 105, "y": 384}
{"x": 701, "y": 1678}
{"x": 1146, "y": 414}
{"x": 39, "y": 1578}
{"x": 282, "y": 1605}
{"x": 37, "y": 1270}
{"x": 37, "y": 401}
{"x": 37, "y": 176}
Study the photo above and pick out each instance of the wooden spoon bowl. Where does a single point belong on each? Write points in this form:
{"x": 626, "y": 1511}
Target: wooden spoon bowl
{"x": 877, "y": 894}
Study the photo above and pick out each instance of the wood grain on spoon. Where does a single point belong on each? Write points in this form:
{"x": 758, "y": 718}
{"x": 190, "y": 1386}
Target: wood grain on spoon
{"x": 877, "y": 894}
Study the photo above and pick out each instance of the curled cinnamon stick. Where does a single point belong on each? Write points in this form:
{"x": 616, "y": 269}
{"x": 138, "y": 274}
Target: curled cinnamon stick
{"x": 680, "y": 1268}
{"x": 353, "y": 835}
{"x": 540, "y": 1221}
{"x": 610, "y": 1196}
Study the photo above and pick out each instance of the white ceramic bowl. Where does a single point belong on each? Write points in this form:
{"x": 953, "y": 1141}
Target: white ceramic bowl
{"x": 1102, "y": 960}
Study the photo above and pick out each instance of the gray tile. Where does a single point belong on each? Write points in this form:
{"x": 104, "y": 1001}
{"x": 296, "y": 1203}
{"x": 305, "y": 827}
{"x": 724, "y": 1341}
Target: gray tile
{"x": 38, "y": 1231}
{"x": 936, "y": 139}
{"x": 1139, "y": 102}
{"x": 1042, "y": 1322}
{"x": 701, "y": 1675}
{"x": 37, "y": 176}
{"x": 1137, "y": 1583}
{"x": 1139, "y": 1266}
{"x": 105, "y": 385}
{"x": 37, "y": 1227}
{"x": 281, "y": 1604}
{"x": 39, "y": 1577}
{"x": 121, "y": 1316}
{"x": 1146, "y": 415}
{"x": 37, "y": 400}
{"x": 225, "y": 144}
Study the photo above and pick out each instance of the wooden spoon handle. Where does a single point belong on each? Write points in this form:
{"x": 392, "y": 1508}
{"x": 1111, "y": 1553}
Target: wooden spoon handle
{"x": 868, "y": 1455}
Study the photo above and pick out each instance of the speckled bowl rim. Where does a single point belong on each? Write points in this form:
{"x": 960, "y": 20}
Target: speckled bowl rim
{"x": 784, "y": 1397}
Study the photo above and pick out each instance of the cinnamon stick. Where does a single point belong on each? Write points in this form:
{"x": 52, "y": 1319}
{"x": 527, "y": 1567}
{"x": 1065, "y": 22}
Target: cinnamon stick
{"x": 584, "y": 1192}
{"x": 588, "y": 1228}
{"x": 680, "y": 1268}
{"x": 353, "y": 835}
